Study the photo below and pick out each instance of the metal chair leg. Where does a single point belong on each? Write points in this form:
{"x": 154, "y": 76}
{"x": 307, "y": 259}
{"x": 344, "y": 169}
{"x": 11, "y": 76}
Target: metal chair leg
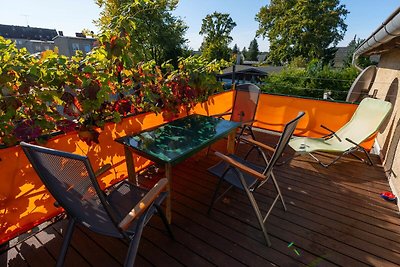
{"x": 165, "y": 221}
{"x": 278, "y": 190}
{"x": 134, "y": 244}
{"x": 258, "y": 215}
{"x": 67, "y": 239}
{"x": 324, "y": 164}
{"x": 214, "y": 196}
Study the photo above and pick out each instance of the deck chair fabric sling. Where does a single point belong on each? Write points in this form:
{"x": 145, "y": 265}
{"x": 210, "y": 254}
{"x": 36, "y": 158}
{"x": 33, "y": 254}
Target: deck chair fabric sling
{"x": 247, "y": 176}
{"x": 122, "y": 212}
{"x": 364, "y": 123}
{"x": 244, "y": 107}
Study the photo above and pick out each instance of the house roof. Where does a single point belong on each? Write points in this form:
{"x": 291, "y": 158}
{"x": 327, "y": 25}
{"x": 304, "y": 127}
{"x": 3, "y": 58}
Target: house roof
{"x": 340, "y": 56}
{"x": 74, "y": 38}
{"x": 387, "y": 36}
{"x": 29, "y": 33}
{"x": 264, "y": 70}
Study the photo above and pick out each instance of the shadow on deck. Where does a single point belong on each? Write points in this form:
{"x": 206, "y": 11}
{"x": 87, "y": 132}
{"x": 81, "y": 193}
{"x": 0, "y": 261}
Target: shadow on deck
{"x": 335, "y": 217}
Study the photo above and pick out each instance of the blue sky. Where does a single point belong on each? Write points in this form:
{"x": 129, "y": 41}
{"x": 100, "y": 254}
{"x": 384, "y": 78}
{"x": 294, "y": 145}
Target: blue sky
{"x": 72, "y": 16}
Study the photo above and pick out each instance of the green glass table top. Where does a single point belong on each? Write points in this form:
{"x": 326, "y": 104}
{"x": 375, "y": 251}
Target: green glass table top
{"x": 179, "y": 139}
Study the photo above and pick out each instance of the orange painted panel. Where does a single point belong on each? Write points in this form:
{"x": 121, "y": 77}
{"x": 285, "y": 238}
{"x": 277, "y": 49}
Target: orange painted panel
{"x": 24, "y": 201}
{"x": 217, "y": 104}
{"x": 274, "y": 111}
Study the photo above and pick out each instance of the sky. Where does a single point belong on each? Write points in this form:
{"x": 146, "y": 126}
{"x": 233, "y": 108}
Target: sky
{"x": 72, "y": 16}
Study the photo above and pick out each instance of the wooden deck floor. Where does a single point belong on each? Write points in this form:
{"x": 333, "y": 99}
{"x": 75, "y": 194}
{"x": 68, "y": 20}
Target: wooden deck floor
{"x": 335, "y": 217}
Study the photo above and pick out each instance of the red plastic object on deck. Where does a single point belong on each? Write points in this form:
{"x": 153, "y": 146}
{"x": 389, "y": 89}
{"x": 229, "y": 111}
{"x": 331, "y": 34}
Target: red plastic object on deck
{"x": 388, "y": 196}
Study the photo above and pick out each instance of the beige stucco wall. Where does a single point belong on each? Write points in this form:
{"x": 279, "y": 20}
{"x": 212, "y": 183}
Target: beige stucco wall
{"x": 387, "y": 85}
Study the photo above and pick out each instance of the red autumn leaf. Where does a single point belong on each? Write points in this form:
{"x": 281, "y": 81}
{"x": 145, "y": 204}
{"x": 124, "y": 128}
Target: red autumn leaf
{"x": 27, "y": 130}
{"x": 66, "y": 125}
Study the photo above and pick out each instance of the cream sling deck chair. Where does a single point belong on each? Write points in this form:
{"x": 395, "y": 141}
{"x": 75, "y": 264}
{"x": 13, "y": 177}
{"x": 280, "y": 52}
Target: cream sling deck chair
{"x": 365, "y": 122}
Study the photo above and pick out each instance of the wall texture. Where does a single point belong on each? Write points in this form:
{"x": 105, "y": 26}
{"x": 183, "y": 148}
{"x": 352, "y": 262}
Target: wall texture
{"x": 387, "y": 85}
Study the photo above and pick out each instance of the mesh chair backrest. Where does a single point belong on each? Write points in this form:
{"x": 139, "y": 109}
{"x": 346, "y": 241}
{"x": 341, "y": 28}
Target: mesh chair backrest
{"x": 283, "y": 141}
{"x": 246, "y": 101}
{"x": 71, "y": 181}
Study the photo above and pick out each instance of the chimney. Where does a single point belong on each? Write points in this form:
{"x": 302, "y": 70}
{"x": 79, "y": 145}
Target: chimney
{"x": 79, "y": 34}
{"x": 60, "y": 33}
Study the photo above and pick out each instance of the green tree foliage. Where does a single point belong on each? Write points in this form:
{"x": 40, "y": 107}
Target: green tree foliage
{"x": 245, "y": 53}
{"x": 312, "y": 81}
{"x": 362, "y": 61}
{"x": 216, "y": 28}
{"x": 304, "y": 28}
{"x": 49, "y": 93}
{"x": 253, "y": 50}
{"x": 154, "y": 33}
{"x": 235, "y": 49}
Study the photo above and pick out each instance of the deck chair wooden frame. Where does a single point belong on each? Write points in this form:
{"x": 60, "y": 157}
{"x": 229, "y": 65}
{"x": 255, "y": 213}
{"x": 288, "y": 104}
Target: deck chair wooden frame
{"x": 365, "y": 122}
{"x": 247, "y": 176}
{"x": 122, "y": 212}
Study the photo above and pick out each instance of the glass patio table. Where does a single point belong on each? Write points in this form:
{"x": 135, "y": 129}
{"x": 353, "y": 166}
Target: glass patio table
{"x": 175, "y": 141}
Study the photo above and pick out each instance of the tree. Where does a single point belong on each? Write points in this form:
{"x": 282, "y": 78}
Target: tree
{"x": 306, "y": 28}
{"x": 362, "y": 61}
{"x": 216, "y": 28}
{"x": 253, "y": 50}
{"x": 153, "y": 32}
{"x": 235, "y": 49}
{"x": 245, "y": 53}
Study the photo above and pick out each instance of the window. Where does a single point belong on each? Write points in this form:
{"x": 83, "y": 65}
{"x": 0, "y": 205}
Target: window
{"x": 46, "y": 47}
{"x": 38, "y": 48}
{"x": 75, "y": 46}
{"x": 87, "y": 48}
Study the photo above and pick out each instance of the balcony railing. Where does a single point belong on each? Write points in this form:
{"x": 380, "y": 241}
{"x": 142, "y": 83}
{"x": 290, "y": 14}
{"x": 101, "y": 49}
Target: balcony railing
{"x": 24, "y": 202}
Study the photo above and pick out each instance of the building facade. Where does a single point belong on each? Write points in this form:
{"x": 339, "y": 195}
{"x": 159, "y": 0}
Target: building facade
{"x": 37, "y": 40}
{"x": 68, "y": 45}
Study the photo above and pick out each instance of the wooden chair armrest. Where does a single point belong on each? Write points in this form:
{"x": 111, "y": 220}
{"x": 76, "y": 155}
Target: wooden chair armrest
{"x": 240, "y": 166}
{"x": 259, "y": 144}
{"x": 144, "y": 203}
{"x": 102, "y": 169}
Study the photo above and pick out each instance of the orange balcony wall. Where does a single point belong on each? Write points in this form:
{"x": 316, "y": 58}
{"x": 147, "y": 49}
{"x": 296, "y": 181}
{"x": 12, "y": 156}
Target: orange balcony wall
{"x": 25, "y": 203}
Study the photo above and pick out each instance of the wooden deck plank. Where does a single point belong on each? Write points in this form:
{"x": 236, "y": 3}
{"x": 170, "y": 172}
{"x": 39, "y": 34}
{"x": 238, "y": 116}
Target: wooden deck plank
{"x": 237, "y": 232}
{"x": 335, "y": 217}
{"x": 177, "y": 248}
{"x": 382, "y": 252}
{"x": 93, "y": 253}
{"x": 116, "y": 248}
{"x": 52, "y": 240}
{"x": 344, "y": 192}
{"x": 35, "y": 253}
{"x": 332, "y": 211}
{"x": 12, "y": 258}
{"x": 245, "y": 216}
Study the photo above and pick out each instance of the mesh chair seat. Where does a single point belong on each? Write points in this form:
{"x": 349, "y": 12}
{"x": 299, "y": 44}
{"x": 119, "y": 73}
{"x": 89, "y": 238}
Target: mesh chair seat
{"x": 125, "y": 195}
{"x": 231, "y": 176}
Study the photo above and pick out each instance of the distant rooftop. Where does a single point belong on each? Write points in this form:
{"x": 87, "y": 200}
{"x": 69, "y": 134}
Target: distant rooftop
{"x": 29, "y": 33}
{"x": 263, "y": 70}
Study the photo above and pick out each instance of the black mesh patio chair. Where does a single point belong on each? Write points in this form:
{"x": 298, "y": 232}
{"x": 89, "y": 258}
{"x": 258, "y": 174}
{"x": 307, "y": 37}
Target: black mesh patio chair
{"x": 244, "y": 107}
{"x": 244, "y": 175}
{"x": 122, "y": 212}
